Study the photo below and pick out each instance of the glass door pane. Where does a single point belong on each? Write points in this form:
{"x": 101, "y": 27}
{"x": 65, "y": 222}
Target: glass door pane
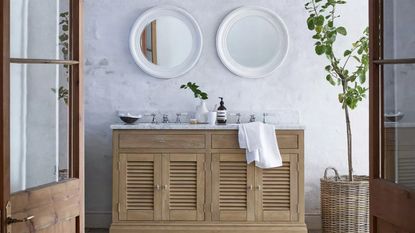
{"x": 399, "y": 124}
{"x": 39, "y": 29}
{"x": 399, "y": 35}
{"x": 39, "y": 125}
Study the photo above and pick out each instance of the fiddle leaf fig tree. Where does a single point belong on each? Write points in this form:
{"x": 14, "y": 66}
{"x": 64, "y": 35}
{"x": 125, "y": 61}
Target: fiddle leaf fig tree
{"x": 347, "y": 70}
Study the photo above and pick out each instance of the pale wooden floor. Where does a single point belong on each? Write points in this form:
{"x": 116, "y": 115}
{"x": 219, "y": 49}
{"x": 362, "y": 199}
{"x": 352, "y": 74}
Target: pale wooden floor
{"x": 106, "y": 231}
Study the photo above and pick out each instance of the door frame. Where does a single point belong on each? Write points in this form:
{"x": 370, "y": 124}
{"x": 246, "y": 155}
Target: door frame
{"x": 76, "y": 109}
{"x": 5, "y": 107}
{"x": 389, "y": 202}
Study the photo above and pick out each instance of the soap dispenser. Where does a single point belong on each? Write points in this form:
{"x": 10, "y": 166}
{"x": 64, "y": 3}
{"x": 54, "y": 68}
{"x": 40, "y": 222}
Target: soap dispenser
{"x": 222, "y": 113}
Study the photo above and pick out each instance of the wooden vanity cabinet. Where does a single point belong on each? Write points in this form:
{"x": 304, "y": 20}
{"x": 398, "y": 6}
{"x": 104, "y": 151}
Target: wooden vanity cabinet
{"x": 242, "y": 192}
{"x": 161, "y": 187}
{"x": 277, "y": 191}
{"x": 138, "y": 177}
{"x": 233, "y": 196}
{"x": 198, "y": 181}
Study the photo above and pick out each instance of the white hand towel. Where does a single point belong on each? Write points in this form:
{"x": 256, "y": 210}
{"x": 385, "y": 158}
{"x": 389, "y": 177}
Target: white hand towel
{"x": 260, "y": 143}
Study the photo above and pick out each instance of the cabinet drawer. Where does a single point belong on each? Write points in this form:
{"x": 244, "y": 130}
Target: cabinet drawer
{"x": 288, "y": 141}
{"x": 162, "y": 141}
{"x": 230, "y": 141}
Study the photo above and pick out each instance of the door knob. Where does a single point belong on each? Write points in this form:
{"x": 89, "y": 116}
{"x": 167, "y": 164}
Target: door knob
{"x": 10, "y": 220}
{"x": 157, "y": 187}
{"x": 258, "y": 187}
{"x": 250, "y": 187}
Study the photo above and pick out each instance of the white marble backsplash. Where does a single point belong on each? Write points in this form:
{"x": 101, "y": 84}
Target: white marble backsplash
{"x": 185, "y": 126}
{"x": 279, "y": 117}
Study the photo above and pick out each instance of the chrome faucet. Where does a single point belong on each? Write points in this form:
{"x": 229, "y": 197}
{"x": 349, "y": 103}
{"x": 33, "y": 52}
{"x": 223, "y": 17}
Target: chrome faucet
{"x": 153, "y": 115}
{"x": 178, "y": 117}
{"x": 264, "y": 117}
{"x": 165, "y": 118}
{"x": 153, "y": 121}
{"x": 238, "y": 119}
{"x": 178, "y": 120}
{"x": 253, "y": 118}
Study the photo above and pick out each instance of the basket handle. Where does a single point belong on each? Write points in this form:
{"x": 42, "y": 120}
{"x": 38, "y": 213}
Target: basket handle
{"x": 336, "y": 173}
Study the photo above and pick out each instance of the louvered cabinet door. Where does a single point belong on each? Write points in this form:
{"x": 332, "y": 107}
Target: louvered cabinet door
{"x": 276, "y": 191}
{"x": 140, "y": 187}
{"x": 233, "y": 196}
{"x": 183, "y": 187}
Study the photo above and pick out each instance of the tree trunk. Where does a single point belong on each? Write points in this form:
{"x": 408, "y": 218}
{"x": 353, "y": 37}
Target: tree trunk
{"x": 349, "y": 143}
{"x": 349, "y": 136}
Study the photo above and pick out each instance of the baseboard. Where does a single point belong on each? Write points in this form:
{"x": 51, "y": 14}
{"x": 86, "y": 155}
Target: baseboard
{"x": 102, "y": 219}
{"x": 313, "y": 221}
{"x": 98, "y": 219}
{"x": 209, "y": 228}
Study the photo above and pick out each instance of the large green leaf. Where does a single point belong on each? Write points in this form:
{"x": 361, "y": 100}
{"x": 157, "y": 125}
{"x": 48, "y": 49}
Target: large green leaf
{"x": 342, "y": 31}
{"x": 319, "y": 20}
{"x": 310, "y": 23}
{"x": 320, "y": 49}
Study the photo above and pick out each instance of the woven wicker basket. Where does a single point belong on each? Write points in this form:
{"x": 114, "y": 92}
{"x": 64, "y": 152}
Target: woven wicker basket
{"x": 344, "y": 204}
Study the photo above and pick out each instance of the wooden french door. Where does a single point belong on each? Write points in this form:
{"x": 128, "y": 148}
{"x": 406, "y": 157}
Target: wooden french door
{"x": 392, "y": 116}
{"x": 41, "y": 100}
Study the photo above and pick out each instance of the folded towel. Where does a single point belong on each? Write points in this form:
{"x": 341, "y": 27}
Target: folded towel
{"x": 260, "y": 143}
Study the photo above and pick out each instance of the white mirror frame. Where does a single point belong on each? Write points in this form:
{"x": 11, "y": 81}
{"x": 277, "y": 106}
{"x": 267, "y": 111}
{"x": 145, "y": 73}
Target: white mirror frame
{"x": 159, "y": 71}
{"x": 222, "y": 47}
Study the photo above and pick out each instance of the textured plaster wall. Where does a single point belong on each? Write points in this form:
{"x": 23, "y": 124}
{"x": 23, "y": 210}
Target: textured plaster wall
{"x": 113, "y": 82}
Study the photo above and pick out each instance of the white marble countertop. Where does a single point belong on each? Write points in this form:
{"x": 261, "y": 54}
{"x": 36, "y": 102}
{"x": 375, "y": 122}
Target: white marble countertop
{"x": 187, "y": 126}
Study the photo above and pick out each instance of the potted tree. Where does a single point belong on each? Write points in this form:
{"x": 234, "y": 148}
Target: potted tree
{"x": 344, "y": 199}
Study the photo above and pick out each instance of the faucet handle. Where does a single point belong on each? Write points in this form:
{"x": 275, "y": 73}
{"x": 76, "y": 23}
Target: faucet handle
{"x": 153, "y": 115}
{"x": 265, "y": 115}
{"x": 252, "y": 118}
{"x": 238, "y": 115}
{"x": 178, "y": 115}
{"x": 165, "y": 118}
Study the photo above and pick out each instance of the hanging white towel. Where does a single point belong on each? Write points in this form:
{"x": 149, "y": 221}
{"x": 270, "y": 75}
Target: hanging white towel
{"x": 260, "y": 143}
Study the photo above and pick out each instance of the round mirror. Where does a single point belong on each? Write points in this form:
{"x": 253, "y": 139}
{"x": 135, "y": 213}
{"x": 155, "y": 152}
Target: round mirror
{"x": 166, "y": 42}
{"x": 252, "y": 42}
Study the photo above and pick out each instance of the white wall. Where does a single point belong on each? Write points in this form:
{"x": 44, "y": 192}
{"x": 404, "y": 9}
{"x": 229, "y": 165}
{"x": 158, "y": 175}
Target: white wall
{"x": 113, "y": 81}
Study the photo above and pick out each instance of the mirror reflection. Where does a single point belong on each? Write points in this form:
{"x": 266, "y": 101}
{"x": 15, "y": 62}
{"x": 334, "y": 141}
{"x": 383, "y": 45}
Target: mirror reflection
{"x": 253, "y": 41}
{"x": 28, "y": 18}
{"x": 39, "y": 125}
{"x": 166, "y": 41}
{"x": 399, "y": 124}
